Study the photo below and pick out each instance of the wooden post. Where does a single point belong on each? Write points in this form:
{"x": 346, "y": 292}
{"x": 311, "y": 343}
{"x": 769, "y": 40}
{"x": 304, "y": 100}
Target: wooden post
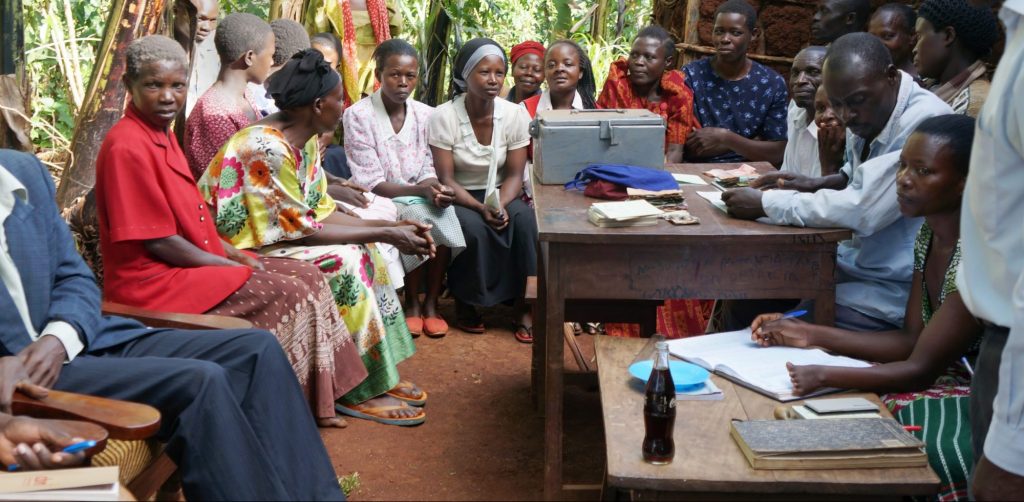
{"x": 105, "y": 98}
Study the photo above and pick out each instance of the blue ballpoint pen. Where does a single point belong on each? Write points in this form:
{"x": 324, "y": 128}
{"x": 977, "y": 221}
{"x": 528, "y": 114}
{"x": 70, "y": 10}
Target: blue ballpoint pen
{"x": 788, "y": 315}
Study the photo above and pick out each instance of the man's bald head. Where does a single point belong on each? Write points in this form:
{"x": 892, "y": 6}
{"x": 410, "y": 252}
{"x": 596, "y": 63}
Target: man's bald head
{"x": 862, "y": 82}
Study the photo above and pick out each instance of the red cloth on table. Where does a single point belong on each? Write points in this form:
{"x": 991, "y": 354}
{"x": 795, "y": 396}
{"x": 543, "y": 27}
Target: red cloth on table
{"x": 144, "y": 191}
{"x": 676, "y": 105}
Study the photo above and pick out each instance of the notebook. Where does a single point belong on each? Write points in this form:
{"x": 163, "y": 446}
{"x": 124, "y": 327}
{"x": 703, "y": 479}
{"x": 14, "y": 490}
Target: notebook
{"x": 79, "y": 483}
{"x": 842, "y": 443}
{"x": 763, "y": 369}
{"x": 688, "y": 179}
{"x": 627, "y": 213}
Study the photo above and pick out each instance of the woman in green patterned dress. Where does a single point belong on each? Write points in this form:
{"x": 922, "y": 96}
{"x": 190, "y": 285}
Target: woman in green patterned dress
{"x": 926, "y": 368}
{"x": 268, "y": 193}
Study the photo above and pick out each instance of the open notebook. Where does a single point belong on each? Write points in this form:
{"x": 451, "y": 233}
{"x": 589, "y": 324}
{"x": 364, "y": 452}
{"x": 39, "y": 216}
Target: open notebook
{"x": 734, "y": 356}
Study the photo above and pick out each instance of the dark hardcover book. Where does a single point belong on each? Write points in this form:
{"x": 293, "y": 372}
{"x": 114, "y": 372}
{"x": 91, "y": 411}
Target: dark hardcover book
{"x": 842, "y": 443}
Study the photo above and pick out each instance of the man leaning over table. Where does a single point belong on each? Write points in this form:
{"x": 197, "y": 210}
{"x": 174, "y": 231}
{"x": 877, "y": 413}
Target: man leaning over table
{"x": 881, "y": 106}
{"x": 991, "y": 274}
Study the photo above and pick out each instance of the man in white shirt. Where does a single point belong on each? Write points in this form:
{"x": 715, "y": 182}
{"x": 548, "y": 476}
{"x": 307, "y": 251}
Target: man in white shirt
{"x": 991, "y": 274}
{"x": 801, "y": 154}
{"x": 206, "y": 62}
{"x": 881, "y": 106}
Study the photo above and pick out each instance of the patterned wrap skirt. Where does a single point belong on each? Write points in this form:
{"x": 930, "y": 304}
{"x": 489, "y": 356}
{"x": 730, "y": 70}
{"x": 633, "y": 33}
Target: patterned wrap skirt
{"x": 942, "y": 411}
{"x": 292, "y": 300}
{"x": 445, "y": 232}
{"x": 369, "y": 307}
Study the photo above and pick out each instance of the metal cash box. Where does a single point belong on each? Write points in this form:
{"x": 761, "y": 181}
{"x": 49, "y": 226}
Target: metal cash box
{"x": 566, "y": 141}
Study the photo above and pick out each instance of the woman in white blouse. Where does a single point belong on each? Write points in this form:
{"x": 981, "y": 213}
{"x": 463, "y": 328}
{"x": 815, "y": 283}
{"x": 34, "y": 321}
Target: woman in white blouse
{"x": 479, "y": 148}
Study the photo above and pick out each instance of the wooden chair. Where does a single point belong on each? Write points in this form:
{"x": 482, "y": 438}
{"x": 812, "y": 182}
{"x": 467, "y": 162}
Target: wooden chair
{"x": 145, "y": 469}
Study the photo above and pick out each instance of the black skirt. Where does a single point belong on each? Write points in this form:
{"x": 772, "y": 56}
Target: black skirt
{"x": 494, "y": 266}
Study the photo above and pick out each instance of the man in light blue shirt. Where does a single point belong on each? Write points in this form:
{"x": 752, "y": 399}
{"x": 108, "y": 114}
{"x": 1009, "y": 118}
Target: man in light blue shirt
{"x": 881, "y": 106}
{"x": 991, "y": 274}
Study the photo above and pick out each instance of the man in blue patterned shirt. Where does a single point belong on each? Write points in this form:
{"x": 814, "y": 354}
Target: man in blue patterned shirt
{"x": 740, "y": 103}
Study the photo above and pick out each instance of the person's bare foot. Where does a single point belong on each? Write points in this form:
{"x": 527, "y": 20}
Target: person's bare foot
{"x": 400, "y": 408}
{"x": 335, "y": 422}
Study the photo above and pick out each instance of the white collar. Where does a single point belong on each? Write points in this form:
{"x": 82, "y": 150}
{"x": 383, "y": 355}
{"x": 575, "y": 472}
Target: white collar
{"x": 545, "y": 101}
{"x": 803, "y": 120}
{"x": 384, "y": 120}
{"x": 11, "y": 187}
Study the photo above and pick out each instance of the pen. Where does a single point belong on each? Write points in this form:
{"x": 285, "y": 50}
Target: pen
{"x": 967, "y": 365}
{"x": 788, "y": 315}
{"x": 913, "y": 428}
{"x": 71, "y": 449}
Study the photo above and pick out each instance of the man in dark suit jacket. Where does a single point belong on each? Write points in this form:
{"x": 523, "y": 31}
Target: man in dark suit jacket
{"x": 234, "y": 417}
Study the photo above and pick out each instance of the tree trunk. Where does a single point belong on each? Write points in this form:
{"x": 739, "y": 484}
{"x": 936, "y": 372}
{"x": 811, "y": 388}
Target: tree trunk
{"x": 598, "y": 23}
{"x": 104, "y": 100}
{"x": 435, "y": 49}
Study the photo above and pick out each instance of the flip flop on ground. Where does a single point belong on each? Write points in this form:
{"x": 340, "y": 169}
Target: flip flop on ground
{"x": 379, "y": 414}
{"x": 523, "y": 333}
{"x": 409, "y": 393}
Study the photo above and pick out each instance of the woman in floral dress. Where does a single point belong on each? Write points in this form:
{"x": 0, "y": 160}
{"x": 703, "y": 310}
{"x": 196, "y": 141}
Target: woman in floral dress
{"x": 268, "y": 193}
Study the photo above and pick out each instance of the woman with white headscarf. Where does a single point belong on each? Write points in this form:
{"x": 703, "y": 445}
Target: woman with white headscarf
{"x": 479, "y": 147}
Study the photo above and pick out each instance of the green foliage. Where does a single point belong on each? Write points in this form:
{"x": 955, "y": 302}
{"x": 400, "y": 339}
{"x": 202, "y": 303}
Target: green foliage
{"x": 53, "y": 110}
{"x": 258, "y": 7}
{"x": 350, "y": 483}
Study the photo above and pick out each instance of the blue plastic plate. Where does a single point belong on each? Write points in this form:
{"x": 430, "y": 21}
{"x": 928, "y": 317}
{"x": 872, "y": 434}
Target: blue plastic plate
{"x": 684, "y": 375}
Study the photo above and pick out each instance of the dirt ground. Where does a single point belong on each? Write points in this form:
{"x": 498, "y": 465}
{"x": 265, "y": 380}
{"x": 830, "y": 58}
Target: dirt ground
{"x": 483, "y": 438}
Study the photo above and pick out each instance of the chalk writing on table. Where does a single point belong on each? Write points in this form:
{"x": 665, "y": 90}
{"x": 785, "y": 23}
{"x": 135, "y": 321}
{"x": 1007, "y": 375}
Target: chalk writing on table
{"x": 651, "y": 275}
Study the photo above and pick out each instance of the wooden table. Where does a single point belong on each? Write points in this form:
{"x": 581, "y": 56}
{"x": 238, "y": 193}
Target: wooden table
{"x": 721, "y": 258}
{"x": 708, "y": 463}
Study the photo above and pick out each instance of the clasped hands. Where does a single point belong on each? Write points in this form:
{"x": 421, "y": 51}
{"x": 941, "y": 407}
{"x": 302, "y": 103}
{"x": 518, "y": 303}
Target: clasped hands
{"x": 27, "y": 442}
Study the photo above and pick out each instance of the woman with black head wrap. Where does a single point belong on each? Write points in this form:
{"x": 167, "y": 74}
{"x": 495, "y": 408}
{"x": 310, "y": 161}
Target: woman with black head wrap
{"x": 268, "y": 193}
{"x": 479, "y": 148}
{"x": 952, "y": 37}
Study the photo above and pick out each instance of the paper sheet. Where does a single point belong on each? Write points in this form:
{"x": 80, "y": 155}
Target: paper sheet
{"x": 688, "y": 179}
{"x": 715, "y": 198}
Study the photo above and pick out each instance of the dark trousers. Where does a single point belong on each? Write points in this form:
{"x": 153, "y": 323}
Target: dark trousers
{"x": 985, "y": 384}
{"x": 233, "y": 414}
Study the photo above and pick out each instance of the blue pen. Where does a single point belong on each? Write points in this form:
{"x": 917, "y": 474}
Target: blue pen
{"x": 787, "y": 315}
{"x": 80, "y": 446}
{"x": 72, "y": 449}
{"x": 794, "y": 313}
{"x": 967, "y": 365}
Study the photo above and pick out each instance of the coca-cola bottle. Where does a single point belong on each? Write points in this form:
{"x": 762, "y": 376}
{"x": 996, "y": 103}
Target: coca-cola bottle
{"x": 659, "y": 410}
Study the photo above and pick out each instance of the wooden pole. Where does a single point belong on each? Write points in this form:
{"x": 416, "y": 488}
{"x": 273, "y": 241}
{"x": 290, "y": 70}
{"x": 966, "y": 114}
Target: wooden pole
{"x": 104, "y": 100}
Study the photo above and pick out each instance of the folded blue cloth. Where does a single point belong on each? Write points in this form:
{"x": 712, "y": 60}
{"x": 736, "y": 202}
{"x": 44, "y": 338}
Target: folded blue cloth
{"x": 643, "y": 178}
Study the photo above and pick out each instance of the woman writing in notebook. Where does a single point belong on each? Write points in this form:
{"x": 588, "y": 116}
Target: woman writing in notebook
{"x": 926, "y": 369}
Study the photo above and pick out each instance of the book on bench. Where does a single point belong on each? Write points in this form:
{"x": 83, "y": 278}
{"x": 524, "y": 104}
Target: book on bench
{"x": 76, "y": 483}
{"x": 733, "y": 355}
{"x": 842, "y": 443}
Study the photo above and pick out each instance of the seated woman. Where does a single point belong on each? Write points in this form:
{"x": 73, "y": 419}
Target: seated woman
{"x": 268, "y": 193}
{"x": 479, "y": 142}
{"x": 570, "y": 80}
{"x": 527, "y": 70}
{"x": 644, "y": 81}
{"x": 952, "y": 37}
{"x": 922, "y": 367}
{"x": 831, "y": 135}
{"x": 245, "y": 44}
{"x": 387, "y": 151}
{"x": 161, "y": 250}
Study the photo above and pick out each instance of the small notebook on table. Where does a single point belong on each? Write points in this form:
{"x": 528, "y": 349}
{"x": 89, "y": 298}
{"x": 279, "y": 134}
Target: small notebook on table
{"x": 843, "y": 443}
{"x": 736, "y": 357}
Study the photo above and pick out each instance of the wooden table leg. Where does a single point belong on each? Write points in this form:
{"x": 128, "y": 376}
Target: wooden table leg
{"x": 539, "y": 335}
{"x": 825, "y": 302}
{"x": 552, "y": 319}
